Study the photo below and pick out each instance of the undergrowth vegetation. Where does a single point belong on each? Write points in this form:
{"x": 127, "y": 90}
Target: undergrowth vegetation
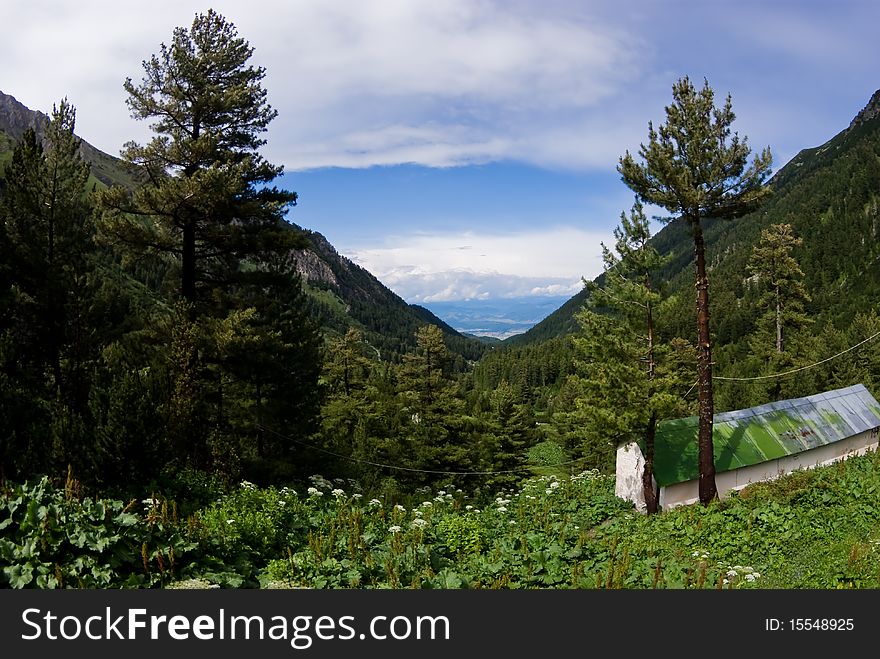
{"x": 811, "y": 529}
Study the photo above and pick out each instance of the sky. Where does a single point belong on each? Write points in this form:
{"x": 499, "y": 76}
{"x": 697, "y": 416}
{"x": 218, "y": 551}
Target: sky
{"x": 467, "y": 149}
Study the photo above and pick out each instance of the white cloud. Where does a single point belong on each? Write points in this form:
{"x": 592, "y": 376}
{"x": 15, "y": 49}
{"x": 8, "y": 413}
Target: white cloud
{"x": 558, "y": 83}
{"x": 356, "y": 83}
{"x": 472, "y": 266}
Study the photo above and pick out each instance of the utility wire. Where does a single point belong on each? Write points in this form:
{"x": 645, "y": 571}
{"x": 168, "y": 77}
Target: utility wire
{"x": 785, "y": 373}
{"x": 801, "y": 368}
{"x": 413, "y": 469}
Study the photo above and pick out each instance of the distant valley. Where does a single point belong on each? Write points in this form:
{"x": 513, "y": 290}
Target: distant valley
{"x": 498, "y": 318}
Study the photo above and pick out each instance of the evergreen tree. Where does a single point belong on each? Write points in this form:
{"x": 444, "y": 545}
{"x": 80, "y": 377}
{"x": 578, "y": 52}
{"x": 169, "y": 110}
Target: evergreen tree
{"x": 511, "y": 433}
{"x": 435, "y": 436}
{"x": 49, "y": 344}
{"x": 243, "y": 355}
{"x": 344, "y": 375}
{"x": 625, "y": 389}
{"x": 207, "y": 204}
{"x": 781, "y": 281}
{"x": 693, "y": 167}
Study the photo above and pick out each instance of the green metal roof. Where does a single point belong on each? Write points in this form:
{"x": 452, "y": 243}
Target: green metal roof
{"x": 766, "y": 432}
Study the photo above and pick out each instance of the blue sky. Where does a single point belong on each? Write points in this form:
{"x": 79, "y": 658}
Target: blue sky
{"x": 466, "y": 149}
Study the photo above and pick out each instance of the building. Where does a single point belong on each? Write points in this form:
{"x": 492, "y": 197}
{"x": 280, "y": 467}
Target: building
{"x": 757, "y": 444}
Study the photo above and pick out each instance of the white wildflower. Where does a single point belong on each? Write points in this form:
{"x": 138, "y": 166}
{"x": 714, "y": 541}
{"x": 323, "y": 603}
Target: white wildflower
{"x": 419, "y": 523}
{"x": 426, "y": 504}
{"x": 230, "y": 521}
{"x": 375, "y": 502}
{"x": 501, "y": 509}
{"x": 338, "y": 492}
{"x": 441, "y": 493}
{"x": 394, "y": 529}
{"x": 399, "y": 508}
{"x": 469, "y": 507}
{"x": 554, "y": 484}
{"x": 313, "y": 490}
{"x": 357, "y": 496}
{"x": 247, "y": 485}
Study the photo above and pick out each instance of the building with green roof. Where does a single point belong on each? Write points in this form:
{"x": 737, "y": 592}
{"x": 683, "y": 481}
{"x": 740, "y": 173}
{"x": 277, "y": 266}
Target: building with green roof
{"x": 752, "y": 445}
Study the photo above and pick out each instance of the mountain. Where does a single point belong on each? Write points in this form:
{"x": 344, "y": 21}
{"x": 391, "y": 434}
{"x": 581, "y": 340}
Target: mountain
{"x": 344, "y": 294}
{"x": 16, "y": 118}
{"x": 830, "y": 194}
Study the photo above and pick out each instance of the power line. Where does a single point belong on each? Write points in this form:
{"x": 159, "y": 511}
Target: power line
{"x": 499, "y": 472}
{"x": 413, "y": 469}
{"x": 801, "y": 368}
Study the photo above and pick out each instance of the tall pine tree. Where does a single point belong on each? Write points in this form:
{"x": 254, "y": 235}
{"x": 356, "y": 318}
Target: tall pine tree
{"x": 207, "y": 204}
{"x": 251, "y": 355}
{"x": 48, "y": 342}
{"x": 696, "y": 169}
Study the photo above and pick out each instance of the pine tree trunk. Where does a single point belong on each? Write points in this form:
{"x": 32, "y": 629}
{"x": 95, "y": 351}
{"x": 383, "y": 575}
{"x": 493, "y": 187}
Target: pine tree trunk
{"x": 778, "y": 323}
{"x": 651, "y": 502}
{"x": 650, "y": 432}
{"x": 707, "y": 487}
{"x": 188, "y": 264}
{"x": 261, "y": 448}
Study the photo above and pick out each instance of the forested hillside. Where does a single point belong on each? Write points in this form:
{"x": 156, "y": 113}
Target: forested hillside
{"x": 16, "y": 119}
{"x": 349, "y": 297}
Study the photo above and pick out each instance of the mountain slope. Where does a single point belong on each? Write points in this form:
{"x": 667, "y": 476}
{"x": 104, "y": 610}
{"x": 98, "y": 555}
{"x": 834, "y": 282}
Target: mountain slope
{"x": 16, "y": 118}
{"x": 830, "y": 194}
{"x": 349, "y": 296}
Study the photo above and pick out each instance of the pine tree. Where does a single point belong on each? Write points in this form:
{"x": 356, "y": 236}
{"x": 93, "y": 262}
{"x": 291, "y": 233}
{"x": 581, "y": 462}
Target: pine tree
{"x": 245, "y": 359}
{"x": 434, "y": 435}
{"x": 694, "y": 168}
{"x": 779, "y": 277}
{"x": 627, "y": 382}
{"x": 344, "y": 375}
{"x": 207, "y": 204}
{"x": 48, "y": 345}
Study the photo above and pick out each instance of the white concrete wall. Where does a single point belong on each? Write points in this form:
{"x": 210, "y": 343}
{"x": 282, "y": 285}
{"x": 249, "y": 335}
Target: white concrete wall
{"x": 688, "y": 492}
{"x": 628, "y": 480}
